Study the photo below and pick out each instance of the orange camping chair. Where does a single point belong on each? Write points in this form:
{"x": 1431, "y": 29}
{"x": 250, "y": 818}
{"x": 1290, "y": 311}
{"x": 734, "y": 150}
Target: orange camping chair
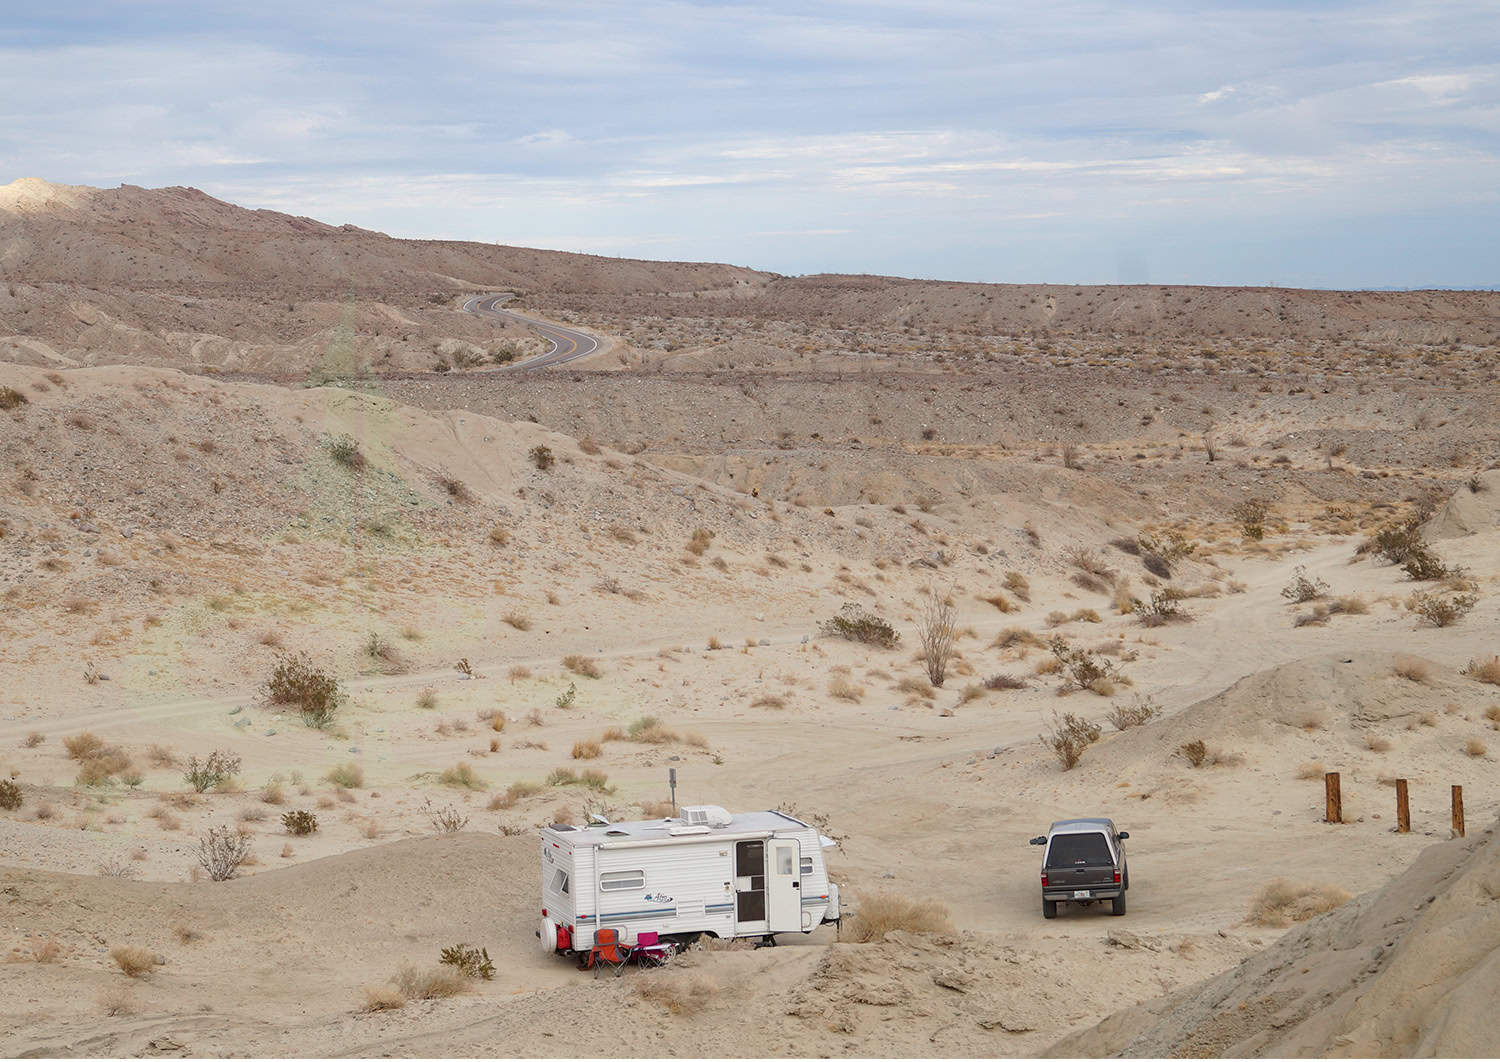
{"x": 608, "y": 951}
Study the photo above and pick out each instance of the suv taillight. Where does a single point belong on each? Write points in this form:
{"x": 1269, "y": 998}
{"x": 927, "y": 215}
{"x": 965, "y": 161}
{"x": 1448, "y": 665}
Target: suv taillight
{"x": 1044, "y": 879}
{"x": 1117, "y": 877}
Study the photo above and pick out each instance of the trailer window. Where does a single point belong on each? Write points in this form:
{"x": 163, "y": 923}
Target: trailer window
{"x": 619, "y": 880}
{"x": 1079, "y": 850}
{"x": 806, "y": 866}
{"x": 560, "y": 882}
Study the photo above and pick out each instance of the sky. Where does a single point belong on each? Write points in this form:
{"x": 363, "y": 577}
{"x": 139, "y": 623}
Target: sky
{"x": 1344, "y": 145}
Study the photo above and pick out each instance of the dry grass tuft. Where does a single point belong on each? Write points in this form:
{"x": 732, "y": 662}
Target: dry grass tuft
{"x": 133, "y": 961}
{"x": 519, "y": 620}
{"x": 881, "y": 912}
{"x": 116, "y": 1002}
{"x": 1282, "y": 903}
{"x": 1310, "y": 770}
{"x": 768, "y": 700}
{"x": 844, "y": 689}
{"x": 587, "y": 750}
{"x": 586, "y": 666}
{"x": 679, "y": 993}
{"x": 461, "y": 776}
{"x": 435, "y": 983}
{"x": 347, "y": 776}
{"x": 1484, "y": 670}
{"x": 1376, "y": 743}
{"x": 1475, "y": 748}
{"x": 383, "y": 997}
{"x": 1411, "y": 668}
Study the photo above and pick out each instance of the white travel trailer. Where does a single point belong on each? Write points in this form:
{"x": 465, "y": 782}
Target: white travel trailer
{"x": 707, "y": 871}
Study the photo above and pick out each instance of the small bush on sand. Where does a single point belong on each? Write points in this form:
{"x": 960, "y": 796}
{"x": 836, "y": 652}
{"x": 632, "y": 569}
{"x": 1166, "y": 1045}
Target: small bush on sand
{"x": 879, "y": 913}
{"x": 383, "y": 997}
{"x": 1484, "y": 670}
{"x": 84, "y": 746}
{"x": 211, "y": 773}
{"x": 1195, "y": 752}
{"x": 1161, "y": 609}
{"x": 585, "y": 666}
{"x": 468, "y": 960}
{"x": 519, "y": 620}
{"x": 1067, "y": 736}
{"x": 296, "y": 683}
{"x": 1018, "y": 585}
{"x": 678, "y": 992}
{"x": 221, "y": 851}
{"x": 132, "y": 961}
{"x": 299, "y": 823}
{"x": 347, "y": 776}
{"x": 1302, "y": 589}
{"x": 541, "y": 457}
{"x": 1281, "y": 903}
{"x": 513, "y": 794}
{"x": 842, "y": 688}
{"x": 10, "y": 795}
{"x": 1139, "y": 712}
{"x": 1251, "y": 515}
{"x": 461, "y": 776}
{"x": 1085, "y": 670}
{"x": 1013, "y": 636}
{"x": 1311, "y": 770}
{"x": 1475, "y": 748}
{"x": 1412, "y": 668}
{"x": 344, "y": 450}
{"x": 1003, "y": 681}
{"x": 1441, "y": 611}
{"x": 414, "y": 983}
{"x": 445, "y": 819}
{"x": 587, "y": 750}
{"x": 10, "y": 398}
{"x": 856, "y": 625}
{"x": 935, "y": 629}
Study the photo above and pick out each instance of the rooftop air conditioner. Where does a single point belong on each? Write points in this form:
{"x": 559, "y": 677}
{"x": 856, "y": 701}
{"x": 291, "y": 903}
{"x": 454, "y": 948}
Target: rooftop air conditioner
{"x": 706, "y": 815}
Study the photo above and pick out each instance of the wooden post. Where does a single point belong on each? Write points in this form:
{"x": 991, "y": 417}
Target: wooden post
{"x": 1458, "y": 811}
{"x": 1403, "y": 808}
{"x": 1335, "y": 800}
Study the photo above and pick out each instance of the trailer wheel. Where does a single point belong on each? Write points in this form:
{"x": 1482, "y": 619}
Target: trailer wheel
{"x": 1117, "y": 905}
{"x": 1049, "y": 908}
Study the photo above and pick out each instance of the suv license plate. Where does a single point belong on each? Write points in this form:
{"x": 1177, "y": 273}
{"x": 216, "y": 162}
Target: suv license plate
{"x": 1081, "y": 894}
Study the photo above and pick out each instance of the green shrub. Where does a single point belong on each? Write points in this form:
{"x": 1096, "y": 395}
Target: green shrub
{"x": 1443, "y": 611}
{"x": 1085, "y": 669}
{"x": 1302, "y": 589}
{"x": 295, "y": 682}
{"x": 1251, "y": 515}
{"x": 469, "y": 961}
{"x": 857, "y": 625}
{"x": 10, "y": 398}
{"x": 1067, "y": 736}
{"x": 347, "y": 776}
{"x": 1162, "y": 608}
{"x": 344, "y": 450}
{"x": 300, "y": 823}
{"x": 10, "y": 795}
{"x": 218, "y": 768}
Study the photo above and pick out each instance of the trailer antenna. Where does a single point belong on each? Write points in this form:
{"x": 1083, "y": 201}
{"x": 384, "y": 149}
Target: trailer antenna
{"x": 672, "y": 781}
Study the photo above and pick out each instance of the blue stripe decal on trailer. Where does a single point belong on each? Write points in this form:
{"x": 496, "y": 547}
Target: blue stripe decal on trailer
{"x": 719, "y": 907}
{"x": 612, "y": 916}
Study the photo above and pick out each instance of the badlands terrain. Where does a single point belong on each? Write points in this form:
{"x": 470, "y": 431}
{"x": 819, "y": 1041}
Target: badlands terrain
{"x": 230, "y": 437}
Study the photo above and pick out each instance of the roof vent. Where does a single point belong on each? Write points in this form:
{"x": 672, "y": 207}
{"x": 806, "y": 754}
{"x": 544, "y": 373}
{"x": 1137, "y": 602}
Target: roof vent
{"x": 706, "y": 815}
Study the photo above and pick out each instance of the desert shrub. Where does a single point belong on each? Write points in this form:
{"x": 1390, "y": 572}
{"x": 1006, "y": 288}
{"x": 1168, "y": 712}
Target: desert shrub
{"x": 383, "y": 997}
{"x": 1475, "y": 748}
{"x": 1085, "y": 669}
{"x": 1484, "y": 670}
{"x": 841, "y": 687}
{"x": 1423, "y": 565}
{"x": 1000, "y": 601}
{"x": 701, "y": 540}
{"x": 513, "y": 794}
{"x": 562, "y": 776}
{"x": 650, "y": 730}
{"x": 679, "y": 993}
{"x": 1251, "y": 516}
{"x": 1310, "y": 770}
{"x": 10, "y": 795}
{"x": 468, "y": 960}
{"x": 1195, "y": 752}
{"x": 413, "y": 983}
{"x": 1168, "y": 545}
{"x": 1018, "y": 585}
{"x": 1003, "y": 681}
{"x": 879, "y": 913}
{"x": 1376, "y": 743}
{"x": 1302, "y": 589}
{"x": 1139, "y": 712}
{"x": 212, "y": 772}
{"x": 935, "y": 631}
{"x": 221, "y": 851}
{"x": 1411, "y": 668}
{"x": 10, "y": 398}
{"x": 445, "y": 819}
{"x": 1443, "y": 611}
{"x": 299, "y": 823}
{"x": 587, "y": 750}
{"x": 455, "y": 488}
{"x": 132, "y": 961}
{"x": 461, "y": 776}
{"x": 1012, "y": 636}
{"x": 541, "y": 457}
{"x": 296, "y": 683}
{"x": 585, "y": 666}
{"x": 768, "y": 700}
{"x": 855, "y": 624}
{"x": 1067, "y": 736}
{"x": 596, "y": 780}
{"x": 1281, "y": 903}
{"x": 344, "y": 450}
{"x": 519, "y": 620}
{"x": 567, "y": 697}
{"x": 1161, "y": 609}
{"x": 347, "y": 775}
{"x": 83, "y": 746}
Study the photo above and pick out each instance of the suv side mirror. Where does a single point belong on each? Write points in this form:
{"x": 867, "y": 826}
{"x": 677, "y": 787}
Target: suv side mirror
{"x": 1122, "y": 836}
{"x": 1038, "y": 840}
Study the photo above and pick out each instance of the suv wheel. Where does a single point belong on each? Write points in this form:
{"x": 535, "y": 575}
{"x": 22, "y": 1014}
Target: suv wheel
{"x": 1049, "y": 908}
{"x": 1117, "y": 905}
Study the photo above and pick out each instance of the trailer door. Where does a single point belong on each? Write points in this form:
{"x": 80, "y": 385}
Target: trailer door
{"x": 784, "y": 886}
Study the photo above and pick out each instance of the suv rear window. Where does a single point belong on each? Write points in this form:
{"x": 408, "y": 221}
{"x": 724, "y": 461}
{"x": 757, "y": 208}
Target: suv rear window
{"x": 1079, "y": 850}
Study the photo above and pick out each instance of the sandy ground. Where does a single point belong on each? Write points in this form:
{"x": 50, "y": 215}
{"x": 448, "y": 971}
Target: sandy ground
{"x": 166, "y": 537}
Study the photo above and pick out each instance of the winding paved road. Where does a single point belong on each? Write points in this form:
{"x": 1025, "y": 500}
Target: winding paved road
{"x": 568, "y": 344}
